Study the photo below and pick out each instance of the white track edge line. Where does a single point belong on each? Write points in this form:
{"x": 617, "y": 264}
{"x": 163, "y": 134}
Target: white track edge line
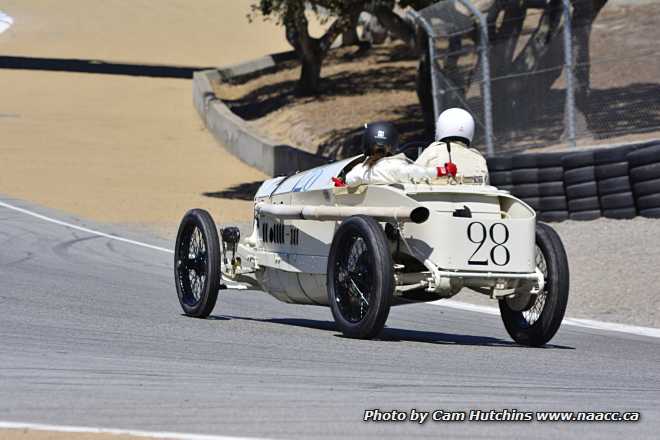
{"x": 576, "y": 322}
{"x": 134, "y": 433}
{"x": 83, "y": 229}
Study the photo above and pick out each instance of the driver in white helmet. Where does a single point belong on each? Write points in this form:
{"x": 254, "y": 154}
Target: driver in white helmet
{"x": 454, "y": 132}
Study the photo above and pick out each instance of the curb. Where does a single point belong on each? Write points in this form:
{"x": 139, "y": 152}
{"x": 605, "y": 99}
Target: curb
{"x": 233, "y": 132}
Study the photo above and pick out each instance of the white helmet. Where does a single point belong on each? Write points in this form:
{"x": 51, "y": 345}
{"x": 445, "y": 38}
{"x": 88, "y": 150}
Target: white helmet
{"x": 455, "y": 123}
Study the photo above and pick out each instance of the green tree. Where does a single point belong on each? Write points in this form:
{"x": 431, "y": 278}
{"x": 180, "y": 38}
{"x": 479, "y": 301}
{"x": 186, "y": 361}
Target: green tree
{"x": 311, "y": 51}
{"x": 344, "y": 16}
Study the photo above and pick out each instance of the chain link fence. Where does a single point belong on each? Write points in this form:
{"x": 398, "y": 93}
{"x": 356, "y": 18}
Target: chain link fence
{"x": 547, "y": 74}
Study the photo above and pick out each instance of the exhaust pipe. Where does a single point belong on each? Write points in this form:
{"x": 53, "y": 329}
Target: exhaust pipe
{"x": 328, "y": 213}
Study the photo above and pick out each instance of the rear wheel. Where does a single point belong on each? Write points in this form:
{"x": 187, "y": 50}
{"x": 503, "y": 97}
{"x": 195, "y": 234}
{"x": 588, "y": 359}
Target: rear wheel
{"x": 360, "y": 278}
{"x": 197, "y": 263}
{"x": 535, "y": 320}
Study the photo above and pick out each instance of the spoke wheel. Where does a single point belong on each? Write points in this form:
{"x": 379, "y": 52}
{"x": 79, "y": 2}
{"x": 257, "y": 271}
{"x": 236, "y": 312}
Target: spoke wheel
{"x": 197, "y": 263}
{"x": 533, "y": 311}
{"x": 360, "y": 278}
{"x": 538, "y": 321}
{"x": 354, "y": 280}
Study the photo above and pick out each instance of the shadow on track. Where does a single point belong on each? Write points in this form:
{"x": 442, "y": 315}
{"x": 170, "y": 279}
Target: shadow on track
{"x": 98, "y": 66}
{"x": 391, "y": 334}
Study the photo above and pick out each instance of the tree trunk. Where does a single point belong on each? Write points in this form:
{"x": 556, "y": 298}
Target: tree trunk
{"x": 584, "y": 14}
{"x": 529, "y": 77}
{"x": 309, "y": 82}
{"x": 397, "y": 26}
{"x": 312, "y": 51}
{"x": 424, "y": 83}
{"x": 350, "y": 36}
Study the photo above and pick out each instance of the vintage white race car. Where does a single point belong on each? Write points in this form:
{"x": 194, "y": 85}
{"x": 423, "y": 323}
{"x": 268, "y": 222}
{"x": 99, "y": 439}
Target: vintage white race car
{"x": 361, "y": 250}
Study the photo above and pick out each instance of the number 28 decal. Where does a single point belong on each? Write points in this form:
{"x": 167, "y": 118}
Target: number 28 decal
{"x": 498, "y": 234}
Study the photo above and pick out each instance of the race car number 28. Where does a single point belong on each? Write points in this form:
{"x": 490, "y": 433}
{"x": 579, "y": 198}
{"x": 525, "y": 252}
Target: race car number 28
{"x": 496, "y": 236}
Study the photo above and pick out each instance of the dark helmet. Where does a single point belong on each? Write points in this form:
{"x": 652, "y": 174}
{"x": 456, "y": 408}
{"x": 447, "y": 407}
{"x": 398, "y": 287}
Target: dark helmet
{"x": 382, "y": 134}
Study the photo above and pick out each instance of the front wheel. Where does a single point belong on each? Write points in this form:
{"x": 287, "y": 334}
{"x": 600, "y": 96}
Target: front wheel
{"x": 197, "y": 263}
{"x": 536, "y": 321}
{"x": 360, "y": 278}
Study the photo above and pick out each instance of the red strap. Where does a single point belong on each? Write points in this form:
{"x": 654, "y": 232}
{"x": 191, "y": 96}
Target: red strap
{"x": 451, "y": 168}
{"x": 338, "y": 181}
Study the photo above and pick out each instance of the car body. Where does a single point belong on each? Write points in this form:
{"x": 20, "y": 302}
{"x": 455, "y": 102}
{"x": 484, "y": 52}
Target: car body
{"x": 433, "y": 238}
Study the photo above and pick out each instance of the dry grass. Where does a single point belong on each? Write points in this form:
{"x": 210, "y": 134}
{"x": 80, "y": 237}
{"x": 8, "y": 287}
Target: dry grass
{"x": 380, "y": 85}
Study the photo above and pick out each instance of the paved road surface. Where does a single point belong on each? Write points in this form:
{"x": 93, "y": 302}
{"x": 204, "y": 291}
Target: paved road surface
{"x": 92, "y": 334}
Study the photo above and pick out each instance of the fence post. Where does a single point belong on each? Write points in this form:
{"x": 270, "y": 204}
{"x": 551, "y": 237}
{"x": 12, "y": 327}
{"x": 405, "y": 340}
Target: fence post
{"x": 570, "y": 73}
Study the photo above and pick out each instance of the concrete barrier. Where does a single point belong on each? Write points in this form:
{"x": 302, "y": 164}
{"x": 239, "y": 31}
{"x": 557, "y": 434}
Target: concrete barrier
{"x": 233, "y": 132}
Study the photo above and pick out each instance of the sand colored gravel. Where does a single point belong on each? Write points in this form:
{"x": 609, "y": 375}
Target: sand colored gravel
{"x": 122, "y": 149}
{"x": 199, "y": 32}
{"x": 113, "y": 149}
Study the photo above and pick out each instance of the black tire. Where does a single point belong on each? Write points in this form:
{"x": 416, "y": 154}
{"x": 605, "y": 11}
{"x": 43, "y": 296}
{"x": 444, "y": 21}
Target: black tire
{"x": 538, "y": 160}
{"x": 555, "y": 203}
{"x": 360, "y": 254}
{"x": 539, "y": 323}
{"x": 609, "y": 155}
{"x": 585, "y": 215}
{"x": 580, "y": 175}
{"x": 537, "y": 175}
{"x": 578, "y": 160}
{"x": 544, "y": 189}
{"x": 499, "y": 163}
{"x": 197, "y": 279}
{"x": 620, "y": 213}
{"x": 614, "y": 185}
{"x": 649, "y": 202}
{"x": 643, "y": 156}
{"x": 618, "y": 201}
{"x": 582, "y": 190}
{"x": 645, "y": 172}
{"x": 584, "y": 204}
{"x": 650, "y": 213}
{"x": 500, "y": 178}
{"x": 610, "y": 170}
{"x": 553, "y": 216}
{"x": 647, "y": 187}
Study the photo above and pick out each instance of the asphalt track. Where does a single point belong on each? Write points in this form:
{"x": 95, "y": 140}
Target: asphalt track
{"x": 91, "y": 334}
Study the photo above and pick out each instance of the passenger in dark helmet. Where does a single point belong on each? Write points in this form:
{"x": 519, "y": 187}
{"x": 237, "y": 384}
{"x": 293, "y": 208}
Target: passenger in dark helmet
{"x": 380, "y": 141}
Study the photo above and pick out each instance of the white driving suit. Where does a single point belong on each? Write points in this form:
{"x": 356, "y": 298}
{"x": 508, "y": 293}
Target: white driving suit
{"x": 391, "y": 169}
{"x": 468, "y": 160}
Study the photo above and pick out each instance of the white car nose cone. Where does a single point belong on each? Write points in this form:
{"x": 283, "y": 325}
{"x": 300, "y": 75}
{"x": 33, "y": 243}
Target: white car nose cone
{"x": 5, "y": 22}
